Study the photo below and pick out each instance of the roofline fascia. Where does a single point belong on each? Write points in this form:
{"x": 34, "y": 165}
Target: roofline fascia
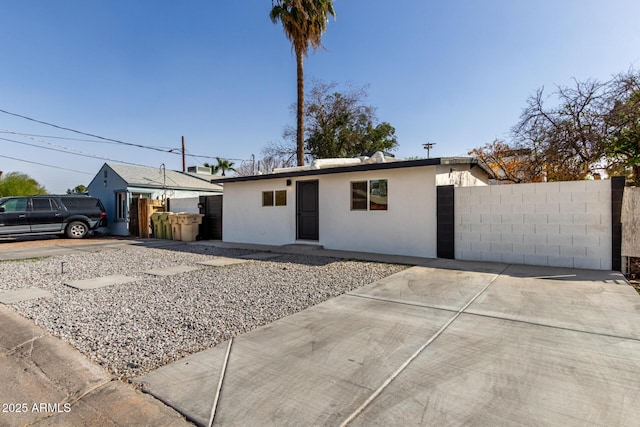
{"x": 354, "y": 168}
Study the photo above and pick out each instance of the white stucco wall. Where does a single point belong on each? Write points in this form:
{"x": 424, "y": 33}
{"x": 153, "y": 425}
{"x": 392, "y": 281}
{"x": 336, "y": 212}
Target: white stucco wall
{"x": 463, "y": 175}
{"x": 408, "y": 227}
{"x": 187, "y": 204}
{"x": 245, "y": 220}
{"x": 565, "y": 224}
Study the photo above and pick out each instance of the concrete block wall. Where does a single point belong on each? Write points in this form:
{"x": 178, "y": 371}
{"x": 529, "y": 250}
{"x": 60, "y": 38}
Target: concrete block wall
{"x": 563, "y": 224}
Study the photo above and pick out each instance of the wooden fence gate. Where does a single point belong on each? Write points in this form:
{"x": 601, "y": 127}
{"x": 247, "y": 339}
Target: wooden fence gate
{"x": 139, "y": 214}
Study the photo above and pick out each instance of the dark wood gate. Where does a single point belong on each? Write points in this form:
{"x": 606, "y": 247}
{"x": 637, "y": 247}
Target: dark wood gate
{"x": 139, "y": 213}
{"x": 211, "y": 208}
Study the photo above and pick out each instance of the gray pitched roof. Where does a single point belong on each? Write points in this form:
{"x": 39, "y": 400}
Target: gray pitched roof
{"x": 157, "y": 178}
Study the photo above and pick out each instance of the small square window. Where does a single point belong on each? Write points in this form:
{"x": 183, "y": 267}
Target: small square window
{"x": 359, "y": 196}
{"x": 267, "y": 198}
{"x": 281, "y": 198}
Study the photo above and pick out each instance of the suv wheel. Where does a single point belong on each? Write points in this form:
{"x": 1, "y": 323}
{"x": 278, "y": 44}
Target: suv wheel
{"x": 76, "y": 230}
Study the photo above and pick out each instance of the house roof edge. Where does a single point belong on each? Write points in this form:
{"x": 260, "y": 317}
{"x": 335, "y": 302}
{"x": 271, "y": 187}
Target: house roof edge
{"x": 353, "y": 168}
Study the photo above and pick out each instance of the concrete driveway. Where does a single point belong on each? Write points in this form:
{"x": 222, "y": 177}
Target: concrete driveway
{"x": 445, "y": 343}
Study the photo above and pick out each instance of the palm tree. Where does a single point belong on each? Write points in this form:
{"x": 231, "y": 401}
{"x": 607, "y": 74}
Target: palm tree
{"x": 303, "y": 22}
{"x": 223, "y": 166}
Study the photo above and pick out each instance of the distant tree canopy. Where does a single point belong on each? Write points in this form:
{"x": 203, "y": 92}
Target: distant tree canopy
{"x": 572, "y": 134}
{"x": 19, "y": 184}
{"x": 223, "y": 165}
{"x": 338, "y": 124}
{"x": 78, "y": 189}
{"x": 507, "y": 163}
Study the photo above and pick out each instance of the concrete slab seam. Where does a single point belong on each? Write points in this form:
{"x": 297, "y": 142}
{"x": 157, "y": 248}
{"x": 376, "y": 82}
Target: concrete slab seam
{"x": 562, "y": 328}
{"x": 166, "y": 402}
{"x": 219, "y": 388}
{"x": 402, "y": 367}
{"x": 401, "y": 302}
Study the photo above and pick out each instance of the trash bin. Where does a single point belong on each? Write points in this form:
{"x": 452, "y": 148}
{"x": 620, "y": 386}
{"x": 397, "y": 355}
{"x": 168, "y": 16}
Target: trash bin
{"x": 166, "y": 225}
{"x": 189, "y": 225}
{"x": 175, "y": 227}
{"x": 158, "y": 228}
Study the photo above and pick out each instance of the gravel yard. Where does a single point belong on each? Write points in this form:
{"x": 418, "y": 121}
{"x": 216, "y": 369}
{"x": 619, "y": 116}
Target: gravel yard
{"x": 134, "y": 328}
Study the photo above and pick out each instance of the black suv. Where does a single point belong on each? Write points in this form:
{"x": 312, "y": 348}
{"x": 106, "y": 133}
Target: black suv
{"x": 73, "y": 216}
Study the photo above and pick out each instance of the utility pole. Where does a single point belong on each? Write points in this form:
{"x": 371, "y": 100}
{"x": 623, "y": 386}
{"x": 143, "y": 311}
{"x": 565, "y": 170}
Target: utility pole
{"x": 184, "y": 164}
{"x": 428, "y": 146}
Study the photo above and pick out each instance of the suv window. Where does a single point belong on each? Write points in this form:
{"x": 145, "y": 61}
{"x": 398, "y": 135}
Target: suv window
{"x": 43, "y": 205}
{"x": 81, "y": 203}
{"x": 15, "y": 205}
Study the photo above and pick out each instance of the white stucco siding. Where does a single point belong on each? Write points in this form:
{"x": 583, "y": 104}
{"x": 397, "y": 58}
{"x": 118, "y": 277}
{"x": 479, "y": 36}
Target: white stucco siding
{"x": 247, "y": 221}
{"x": 464, "y": 175}
{"x": 408, "y": 227}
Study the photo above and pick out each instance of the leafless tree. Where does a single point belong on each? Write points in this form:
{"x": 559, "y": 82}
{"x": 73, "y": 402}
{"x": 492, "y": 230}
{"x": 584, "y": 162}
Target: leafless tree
{"x": 570, "y": 136}
{"x": 266, "y": 164}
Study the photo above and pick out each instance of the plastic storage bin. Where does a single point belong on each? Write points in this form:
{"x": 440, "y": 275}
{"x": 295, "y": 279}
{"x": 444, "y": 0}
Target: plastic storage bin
{"x": 189, "y": 226}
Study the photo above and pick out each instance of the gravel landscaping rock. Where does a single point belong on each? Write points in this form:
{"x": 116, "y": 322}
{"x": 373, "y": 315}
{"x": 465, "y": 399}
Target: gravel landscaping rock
{"x": 133, "y": 328}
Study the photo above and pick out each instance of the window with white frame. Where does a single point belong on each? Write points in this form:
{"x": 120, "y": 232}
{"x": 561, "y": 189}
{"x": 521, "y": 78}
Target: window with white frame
{"x": 121, "y": 206}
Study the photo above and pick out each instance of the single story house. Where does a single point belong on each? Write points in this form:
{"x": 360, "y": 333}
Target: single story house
{"x": 377, "y": 204}
{"x": 116, "y": 185}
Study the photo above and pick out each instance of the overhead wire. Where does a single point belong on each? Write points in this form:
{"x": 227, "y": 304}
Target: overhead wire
{"x": 86, "y": 133}
{"x": 71, "y": 152}
{"x": 67, "y": 138}
{"x": 175, "y": 151}
{"x": 44, "y": 164}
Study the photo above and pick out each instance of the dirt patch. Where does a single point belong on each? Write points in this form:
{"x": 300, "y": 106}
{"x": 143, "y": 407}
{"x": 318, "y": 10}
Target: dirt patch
{"x": 633, "y": 275}
{"x": 50, "y": 240}
{"x": 635, "y": 284}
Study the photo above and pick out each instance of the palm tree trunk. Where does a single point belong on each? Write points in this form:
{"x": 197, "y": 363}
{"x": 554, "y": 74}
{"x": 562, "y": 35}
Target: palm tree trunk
{"x": 300, "y": 111}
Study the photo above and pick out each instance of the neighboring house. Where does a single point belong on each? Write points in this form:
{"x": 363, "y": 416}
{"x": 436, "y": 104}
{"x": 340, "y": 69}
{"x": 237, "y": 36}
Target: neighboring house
{"x": 375, "y": 204}
{"x": 115, "y": 185}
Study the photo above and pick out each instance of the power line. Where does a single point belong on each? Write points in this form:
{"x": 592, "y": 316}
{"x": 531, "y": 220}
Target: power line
{"x": 175, "y": 151}
{"x": 85, "y": 133}
{"x": 70, "y": 152}
{"x": 67, "y": 138}
{"x": 43, "y": 164}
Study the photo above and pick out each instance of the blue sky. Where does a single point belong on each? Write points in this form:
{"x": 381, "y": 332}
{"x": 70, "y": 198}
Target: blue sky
{"x": 457, "y": 73}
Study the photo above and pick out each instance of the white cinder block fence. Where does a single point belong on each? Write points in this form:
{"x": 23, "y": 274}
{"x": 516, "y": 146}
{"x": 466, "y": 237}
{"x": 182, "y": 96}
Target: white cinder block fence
{"x": 564, "y": 224}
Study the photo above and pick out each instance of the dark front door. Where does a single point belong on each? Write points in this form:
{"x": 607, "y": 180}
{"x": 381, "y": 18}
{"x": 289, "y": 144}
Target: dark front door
{"x": 445, "y": 239}
{"x": 307, "y": 210}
